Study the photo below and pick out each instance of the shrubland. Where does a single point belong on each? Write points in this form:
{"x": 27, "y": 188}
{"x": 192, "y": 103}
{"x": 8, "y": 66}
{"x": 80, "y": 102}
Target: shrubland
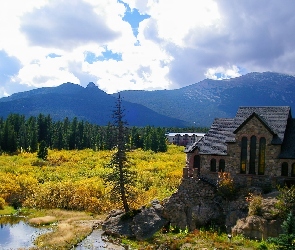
{"x": 72, "y": 179}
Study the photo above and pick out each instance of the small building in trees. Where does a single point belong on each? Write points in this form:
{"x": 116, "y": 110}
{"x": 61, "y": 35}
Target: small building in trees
{"x": 184, "y": 139}
{"x": 256, "y": 147}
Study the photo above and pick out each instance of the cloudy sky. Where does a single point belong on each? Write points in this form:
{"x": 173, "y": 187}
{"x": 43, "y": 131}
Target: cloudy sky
{"x": 141, "y": 44}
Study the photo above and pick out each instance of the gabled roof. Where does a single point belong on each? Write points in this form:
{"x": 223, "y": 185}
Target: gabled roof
{"x": 269, "y": 128}
{"x": 275, "y": 118}
{"x": 214, "y": 142}
{"x": 223, "y": 131}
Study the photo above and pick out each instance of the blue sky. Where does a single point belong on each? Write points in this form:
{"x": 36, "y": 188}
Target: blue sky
{"x": 141, "y": 44}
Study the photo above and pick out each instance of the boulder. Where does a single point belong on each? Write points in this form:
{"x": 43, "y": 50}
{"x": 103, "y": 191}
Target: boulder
{"x": 256, "y": 227}
{"x": 116, "y": 226}
{"x": 141, "y": 226}
{"x": 149, "y": 221}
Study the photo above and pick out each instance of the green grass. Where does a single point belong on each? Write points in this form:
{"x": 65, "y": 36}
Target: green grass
{"x": 8, "y": 210}
{"x": 199, "y": 239}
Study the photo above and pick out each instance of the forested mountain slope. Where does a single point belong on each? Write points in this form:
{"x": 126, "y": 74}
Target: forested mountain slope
{"x": 201, "y": 102}
{"x": 194, "y": 105}
{"x": 90, "y": 104}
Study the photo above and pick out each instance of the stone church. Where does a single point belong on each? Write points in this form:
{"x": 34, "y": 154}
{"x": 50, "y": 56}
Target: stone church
{"x": 256, "y": 146}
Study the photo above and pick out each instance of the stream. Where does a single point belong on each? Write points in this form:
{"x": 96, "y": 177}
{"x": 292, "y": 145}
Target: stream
{"x": 95, "y": 241}
{"x": 15, "y": 234}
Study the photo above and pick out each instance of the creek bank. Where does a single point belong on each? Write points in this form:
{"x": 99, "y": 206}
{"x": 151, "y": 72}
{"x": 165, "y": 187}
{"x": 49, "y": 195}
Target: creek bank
{"x": 197, "y": 204}
{"x": 15, "y": 233}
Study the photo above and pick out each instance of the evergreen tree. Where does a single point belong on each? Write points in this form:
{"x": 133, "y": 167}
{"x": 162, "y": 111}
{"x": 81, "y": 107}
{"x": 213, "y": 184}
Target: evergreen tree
{"x": 44, "y": 129}
{"x": 33, "y": 134}
{"x": 8, "y": 138}
{"x": 136, "y": 139}
{"x": 162, "y": 140}
{"x": 109, "y": 141}
{"x": 120, "y": 176}
{"x": 154, "y": 140}
{"x": 286, "y": 240}
{"x": 73, "y": 137}
{"x": 58, "y": 136}
{"x": 23, "y": 142}
{"x": 43, "y": 151}
{"x": 147, "y": 140}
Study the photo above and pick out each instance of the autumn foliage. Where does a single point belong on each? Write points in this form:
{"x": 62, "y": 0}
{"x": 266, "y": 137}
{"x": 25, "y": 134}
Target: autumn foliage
{"x": 73, "y": 179}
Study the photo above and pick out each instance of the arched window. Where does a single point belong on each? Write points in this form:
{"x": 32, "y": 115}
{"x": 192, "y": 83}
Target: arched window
{"x": 197, "y": 163}
{"x": 293, "y": 170}
{"x": 213, "y": 165}
{"x": 261, "y": 160}
{"x": 284, "y": 169}
{"x": 252, "y": 155}
{"x": 243, "y": 155}
{"x": 221, "y": 166}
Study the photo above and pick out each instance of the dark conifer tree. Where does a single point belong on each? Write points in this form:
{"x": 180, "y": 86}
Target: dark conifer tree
{"x": 9, "y": 143}
{"x": 33, "y": 134}
{"x": 162, "y": 140}
{"x": 43, "y": 151}
{"x": 120, "y": 176}
{"x": 73, "y": 136}
{"x": 136, "y": 139}
{"x": 147, "y": 140}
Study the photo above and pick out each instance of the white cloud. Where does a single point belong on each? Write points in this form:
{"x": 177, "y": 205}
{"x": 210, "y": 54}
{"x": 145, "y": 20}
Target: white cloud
{"x": 181, "y": 43}
{"x": 66, "y": 25}
{"x": 220, "y": 73}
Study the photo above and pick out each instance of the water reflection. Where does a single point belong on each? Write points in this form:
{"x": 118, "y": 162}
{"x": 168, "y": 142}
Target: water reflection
{"x": 96, "y": 241}
{"x": 15, "y": 233}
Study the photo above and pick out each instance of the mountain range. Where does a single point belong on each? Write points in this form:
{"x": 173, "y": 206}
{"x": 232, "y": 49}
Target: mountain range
{"x": 194, "y": 105}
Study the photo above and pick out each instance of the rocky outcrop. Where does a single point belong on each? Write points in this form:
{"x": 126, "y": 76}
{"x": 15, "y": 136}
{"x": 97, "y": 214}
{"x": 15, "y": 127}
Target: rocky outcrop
{"x": 256, "y": 227}
{"x": 195, "y": 204}
{"x": 267, "y": 224}
{"x": 141, "y": 226}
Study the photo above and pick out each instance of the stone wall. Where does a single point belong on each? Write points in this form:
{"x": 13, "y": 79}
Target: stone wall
{"x": 272, "y": 173}
{"x": 197, "y": 204}
{"x": 194, "y": 204}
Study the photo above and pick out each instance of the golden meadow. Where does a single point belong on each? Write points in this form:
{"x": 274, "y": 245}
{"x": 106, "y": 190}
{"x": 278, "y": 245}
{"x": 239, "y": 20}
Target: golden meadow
{"x": 72, "y": 179}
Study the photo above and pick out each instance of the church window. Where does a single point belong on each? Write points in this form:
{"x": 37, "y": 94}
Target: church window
{"x": 197, "y": 163}
{"x": 213, "y": 165}
{"x": 261, "y": 163}
{"x": 284, "y": 169}
{"x": 243, "y": 155}
{"x": 221, "y": 166}
{"x": 252, "y": 155}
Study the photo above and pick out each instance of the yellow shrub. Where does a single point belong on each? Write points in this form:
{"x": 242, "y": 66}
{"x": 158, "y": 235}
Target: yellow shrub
{"x": 2, "y": 203}
{"x": 72, "y": 179}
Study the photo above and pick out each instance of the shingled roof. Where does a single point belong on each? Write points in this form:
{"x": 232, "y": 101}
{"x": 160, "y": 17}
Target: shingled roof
{"x": 288, "y": 146}
{"x": 223, "y": 131}
{"x": 275, "y": 117}
{"x": 214, "y": 142}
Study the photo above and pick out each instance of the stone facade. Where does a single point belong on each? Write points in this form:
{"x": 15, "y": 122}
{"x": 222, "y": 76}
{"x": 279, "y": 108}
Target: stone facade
{"x": 262, "y": 164}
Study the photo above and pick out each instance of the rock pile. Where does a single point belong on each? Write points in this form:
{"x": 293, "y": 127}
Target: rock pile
{"x": 195, "y": 204}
